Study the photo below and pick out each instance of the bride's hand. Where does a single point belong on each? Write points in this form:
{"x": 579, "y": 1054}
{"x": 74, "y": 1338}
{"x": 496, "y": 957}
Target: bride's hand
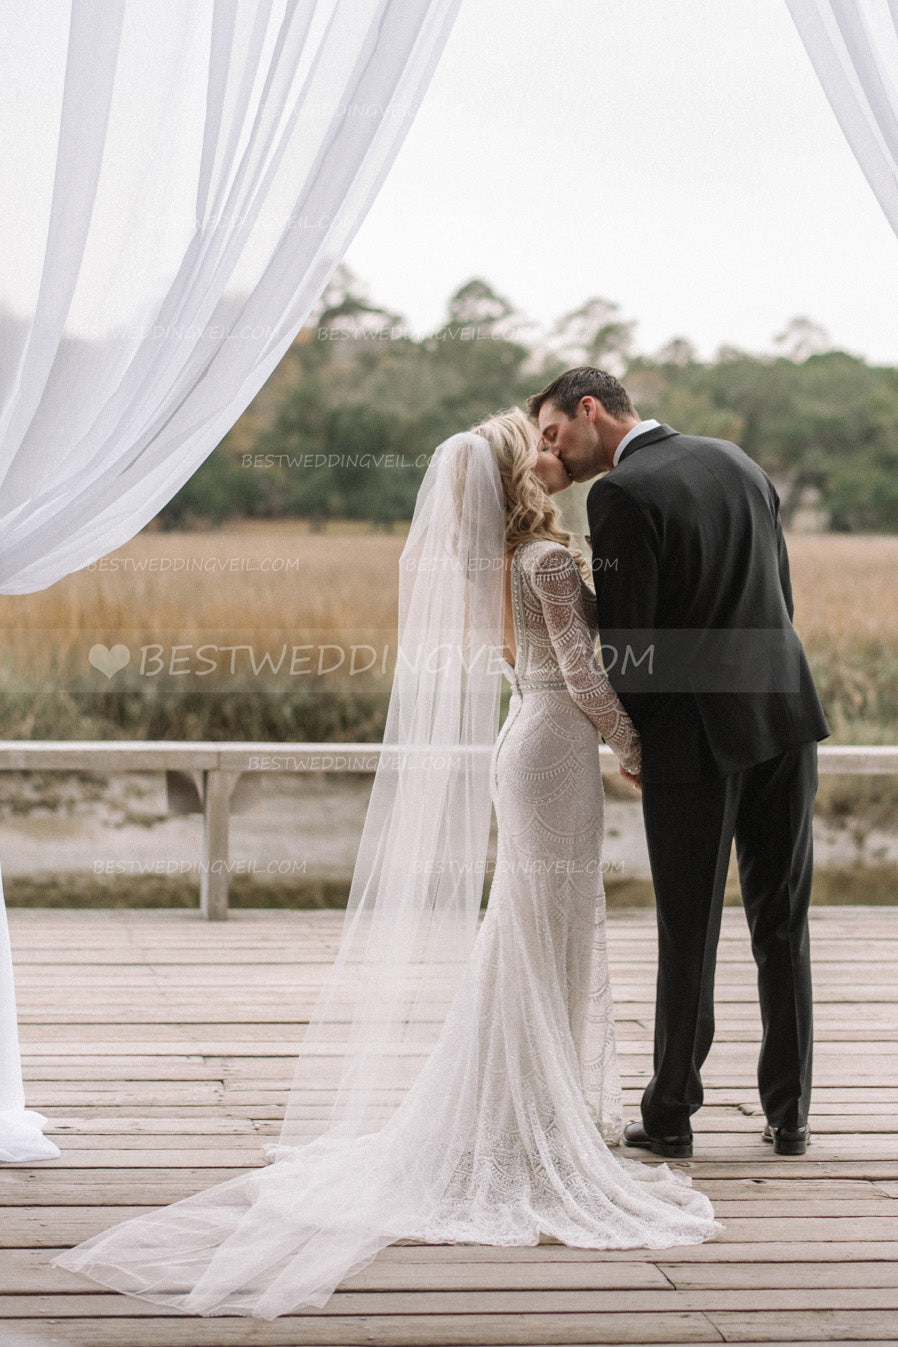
{"x": 635, "y": 781}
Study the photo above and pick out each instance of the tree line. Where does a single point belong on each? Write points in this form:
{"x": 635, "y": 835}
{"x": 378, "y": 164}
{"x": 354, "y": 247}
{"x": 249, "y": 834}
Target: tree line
{"x": 344, "y": 426}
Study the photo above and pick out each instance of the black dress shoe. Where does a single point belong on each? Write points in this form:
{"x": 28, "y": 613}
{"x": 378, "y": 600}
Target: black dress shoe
{"x": 672, "y": 1148}
{"x": 788, "y": 1140}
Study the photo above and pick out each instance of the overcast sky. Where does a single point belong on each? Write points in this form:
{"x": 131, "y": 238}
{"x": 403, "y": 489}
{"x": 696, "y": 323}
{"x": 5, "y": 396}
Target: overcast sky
{"x": 675, "y": 156}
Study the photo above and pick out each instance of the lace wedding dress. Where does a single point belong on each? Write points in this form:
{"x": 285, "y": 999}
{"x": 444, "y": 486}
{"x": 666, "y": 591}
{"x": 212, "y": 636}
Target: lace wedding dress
{"x": 502, "y": 1136}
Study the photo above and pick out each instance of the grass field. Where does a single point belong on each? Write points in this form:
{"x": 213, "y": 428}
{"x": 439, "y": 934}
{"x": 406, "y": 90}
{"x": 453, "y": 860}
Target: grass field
{"x": 845, "y": 588}
{"x": 232, "y": 584}
{"x": 280, "y": 628}
{"x": 259, "y": 633}
{"x": 281, "y": 577}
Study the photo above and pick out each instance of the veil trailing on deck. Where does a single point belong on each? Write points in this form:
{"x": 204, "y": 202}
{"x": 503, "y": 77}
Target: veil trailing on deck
{"x": 345, "y": 1182}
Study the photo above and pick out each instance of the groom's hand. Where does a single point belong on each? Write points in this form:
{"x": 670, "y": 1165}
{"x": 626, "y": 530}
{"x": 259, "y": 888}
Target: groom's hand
{"x": 635, "y": 781}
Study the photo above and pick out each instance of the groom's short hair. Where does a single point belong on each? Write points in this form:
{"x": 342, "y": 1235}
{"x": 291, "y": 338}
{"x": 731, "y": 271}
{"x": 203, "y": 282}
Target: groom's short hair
{"x": 585, "y": 381}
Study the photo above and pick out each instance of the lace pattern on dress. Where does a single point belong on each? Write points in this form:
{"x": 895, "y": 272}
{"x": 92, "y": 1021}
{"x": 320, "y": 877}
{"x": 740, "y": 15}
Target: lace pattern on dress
{"x": 552, "y": 607}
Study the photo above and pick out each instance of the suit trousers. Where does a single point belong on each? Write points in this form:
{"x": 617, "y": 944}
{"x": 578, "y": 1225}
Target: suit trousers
{"x": 768, "y": 809}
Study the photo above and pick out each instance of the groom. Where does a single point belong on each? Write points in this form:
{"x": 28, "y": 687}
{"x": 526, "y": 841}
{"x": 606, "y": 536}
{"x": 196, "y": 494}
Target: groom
{"x": 692, "y": 583}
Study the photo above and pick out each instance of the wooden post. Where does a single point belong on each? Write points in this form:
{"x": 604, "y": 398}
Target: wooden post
{"x": 218, "y": 788}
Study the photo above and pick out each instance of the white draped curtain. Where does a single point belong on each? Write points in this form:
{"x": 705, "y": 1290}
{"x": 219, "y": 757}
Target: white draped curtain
{"x": 179, "y": 181}
{"x": 853, "y": 45}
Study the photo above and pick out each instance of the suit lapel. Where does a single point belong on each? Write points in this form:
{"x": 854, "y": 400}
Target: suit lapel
{"x": 647, "y": 437}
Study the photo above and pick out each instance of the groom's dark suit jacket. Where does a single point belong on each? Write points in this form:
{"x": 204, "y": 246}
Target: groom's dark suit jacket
{"x": 691, "y": 572}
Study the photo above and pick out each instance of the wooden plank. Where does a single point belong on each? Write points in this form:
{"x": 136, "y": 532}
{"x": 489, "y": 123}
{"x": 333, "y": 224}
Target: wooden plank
{"x": 539, "y": 1260}
{"x": 716, "y": 1251}
{"x": 776, "y": 1166}
{"x": 110, "y": 1151}
{"x": 92, "y": 1304}
{"x": 78, "y": 1166}
{"x": 810, "y": 1230}
{"x": 758, "y": 1277}
{"x": 28, "y": 1272}
{"x": 128, "y": 1129}
{"x": 157, "y": 1192}
{"x": 199, "y": 1034}
{"x": 736, "y": 977}
{"x": 158, "y": 1188}
{"x": 45, "y": 1226}
{"x": 631, "y": 1053}
{"x": 407, "y": 1330}
{"x": 218, "y": 788}
{"x": 831, "y": 1325}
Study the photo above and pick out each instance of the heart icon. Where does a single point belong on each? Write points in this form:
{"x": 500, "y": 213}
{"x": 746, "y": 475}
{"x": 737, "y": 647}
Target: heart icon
{"x": 109, "y": 661}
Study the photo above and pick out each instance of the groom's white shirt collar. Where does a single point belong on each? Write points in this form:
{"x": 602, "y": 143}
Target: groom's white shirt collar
{"x": 639, "y": 429}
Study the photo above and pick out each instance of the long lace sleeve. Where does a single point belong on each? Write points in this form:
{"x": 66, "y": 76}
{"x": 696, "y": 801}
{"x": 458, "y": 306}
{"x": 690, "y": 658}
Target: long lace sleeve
{"x": 556, "y": 583}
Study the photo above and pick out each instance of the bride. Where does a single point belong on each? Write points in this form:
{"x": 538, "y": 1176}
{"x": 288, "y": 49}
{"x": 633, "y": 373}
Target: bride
{"x": 455, "y": 1085}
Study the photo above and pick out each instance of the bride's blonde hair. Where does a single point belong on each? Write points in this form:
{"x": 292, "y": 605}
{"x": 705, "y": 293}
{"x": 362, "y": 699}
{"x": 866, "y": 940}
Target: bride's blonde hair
{"x": 530, "y": 511}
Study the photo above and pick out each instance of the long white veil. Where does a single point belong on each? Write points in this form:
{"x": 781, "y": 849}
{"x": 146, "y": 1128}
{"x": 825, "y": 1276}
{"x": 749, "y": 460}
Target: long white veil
{"x": 345, "y": 1181}
{"x": 416, "y": 891}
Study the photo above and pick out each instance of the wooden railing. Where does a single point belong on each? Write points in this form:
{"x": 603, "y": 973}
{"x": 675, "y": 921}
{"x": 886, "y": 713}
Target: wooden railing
{"x": 218, "y": 767}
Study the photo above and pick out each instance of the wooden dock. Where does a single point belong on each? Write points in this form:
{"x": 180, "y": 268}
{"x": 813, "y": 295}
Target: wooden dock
{"x": 161, "y": 1047}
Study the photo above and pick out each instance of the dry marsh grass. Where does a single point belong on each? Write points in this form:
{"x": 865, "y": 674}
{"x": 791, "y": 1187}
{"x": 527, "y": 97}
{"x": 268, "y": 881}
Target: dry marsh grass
{"x": 278, "y": 576}
{"x": 846, "y": 588}
{"x": 229, "y": 585}
{"x": 276, "y": 586}
{"x": 846, "y": 611}
{"x": 234, "y": 634}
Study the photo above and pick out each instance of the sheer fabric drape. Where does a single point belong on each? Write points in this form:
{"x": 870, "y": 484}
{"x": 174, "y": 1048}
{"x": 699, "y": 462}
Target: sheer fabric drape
{"x": 179, "y": 182}
{"x": 419, "y": 875}
{"x": 853, "y": 45}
